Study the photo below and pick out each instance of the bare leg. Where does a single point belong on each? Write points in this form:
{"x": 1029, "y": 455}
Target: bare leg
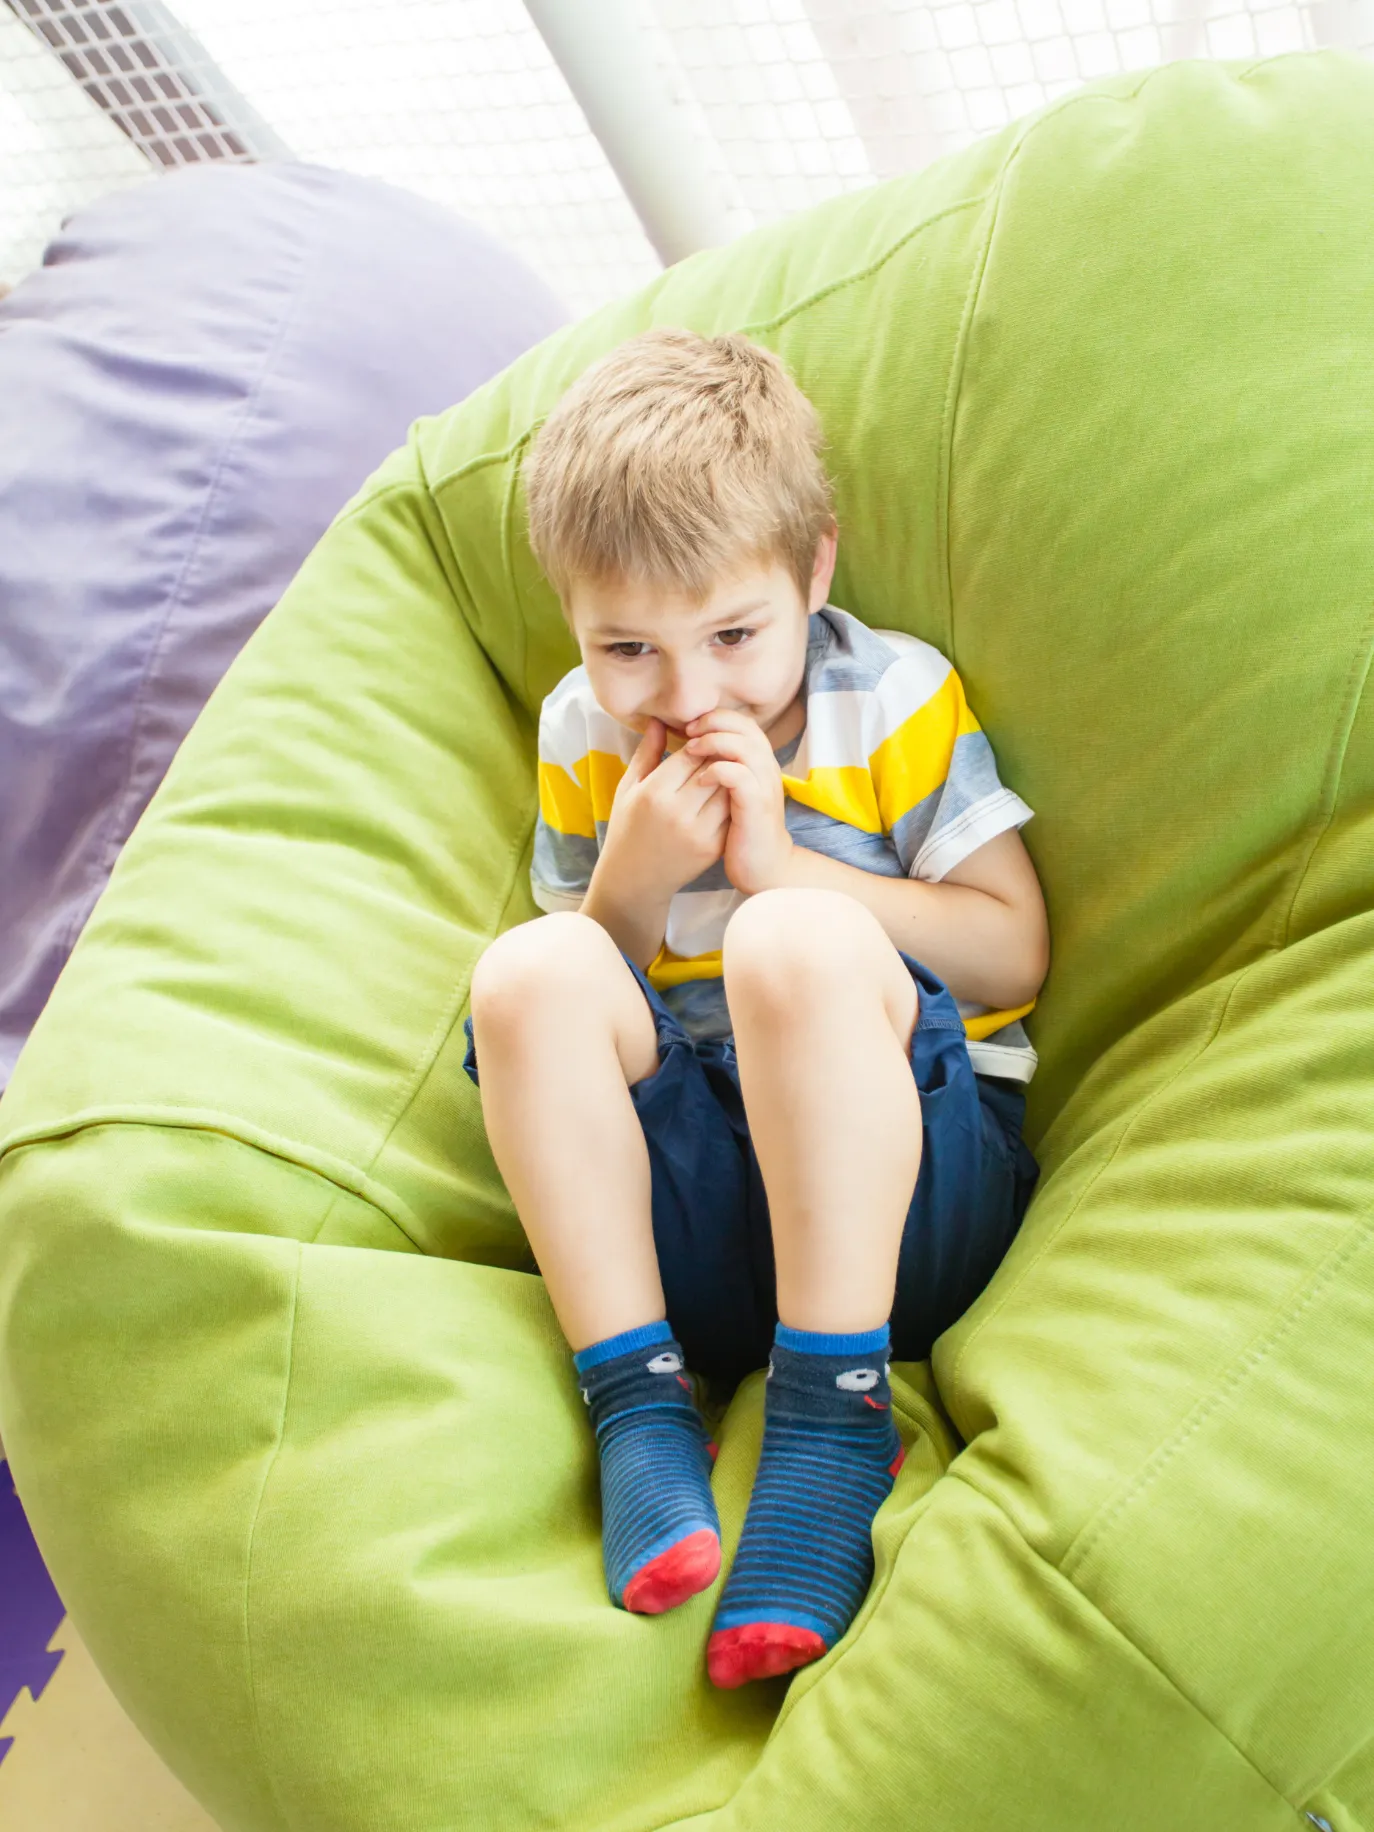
{"x": 823, "y": 1011}
{"x": 562, "y": 1032}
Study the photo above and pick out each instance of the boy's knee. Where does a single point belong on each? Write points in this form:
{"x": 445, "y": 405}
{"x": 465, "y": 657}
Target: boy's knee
{"x": 516, "y": 975}
{"x": 778, "y": 941}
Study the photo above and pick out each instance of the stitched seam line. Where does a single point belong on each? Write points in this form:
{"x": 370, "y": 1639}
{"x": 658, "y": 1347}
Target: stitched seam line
{"x": 448, "y": 1019}
{"x": 328, "y": 1169}
{"x": 271, "y": 1464}
{"x": 703, "y": 1818}
{"x": 522, "y": 622}
{"x": 1355, "y": 690}
{"x": 756, "y": 325}
{"x": 954, "y": 386}
{"x": 1081, "y": 1547}
{"x": 1335, "y": 768}
{"x": 1128, "y": 1125}
{"x": 115, "y": 817}
{"x": 958, "y": 361}
{"x": 351, "y": 514}
{"x": 449, "y": 1013}
{"x": 875, "y": 1595}
{"x": 1340, "y": 744}
{"x": 1090, "y": 1603}
{"x": 484, "y": 459}
{"x": 861, "y": 273}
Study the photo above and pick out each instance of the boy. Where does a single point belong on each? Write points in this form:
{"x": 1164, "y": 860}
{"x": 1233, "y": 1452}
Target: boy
{"x": 754, "y": 1081}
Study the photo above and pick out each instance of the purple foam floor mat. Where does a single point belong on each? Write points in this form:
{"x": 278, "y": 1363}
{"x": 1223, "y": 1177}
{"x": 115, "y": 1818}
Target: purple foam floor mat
{"x": 30, "y": 1608}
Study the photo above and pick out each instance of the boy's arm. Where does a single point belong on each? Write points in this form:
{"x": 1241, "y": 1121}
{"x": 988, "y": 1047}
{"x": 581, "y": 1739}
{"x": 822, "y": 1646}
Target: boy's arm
{"x": 982, "y": 928}
{"x": 665, "y": 828}
{"x": 635, "y": 925}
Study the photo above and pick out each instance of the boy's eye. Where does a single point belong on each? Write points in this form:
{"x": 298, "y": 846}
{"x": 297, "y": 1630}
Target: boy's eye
{"x": 740, "y": 637}
{"x": 628, "y": 651}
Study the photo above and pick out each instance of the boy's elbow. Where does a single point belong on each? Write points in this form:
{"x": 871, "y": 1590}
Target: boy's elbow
{"x": 1034, "y": 958}
{"x": 1025, "y": 955}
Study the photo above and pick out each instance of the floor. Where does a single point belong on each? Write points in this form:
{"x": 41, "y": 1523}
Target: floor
{"x": 70, "y": 1760}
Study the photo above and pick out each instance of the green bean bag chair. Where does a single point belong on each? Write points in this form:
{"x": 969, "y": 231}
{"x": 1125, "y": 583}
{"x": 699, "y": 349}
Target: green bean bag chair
{"x": 284, "y": 1398}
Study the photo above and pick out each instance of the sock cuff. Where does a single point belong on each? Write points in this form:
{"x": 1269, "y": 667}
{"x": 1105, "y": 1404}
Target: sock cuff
{"x": 820, "y": 1342}
{"x": 623, "y": 1344}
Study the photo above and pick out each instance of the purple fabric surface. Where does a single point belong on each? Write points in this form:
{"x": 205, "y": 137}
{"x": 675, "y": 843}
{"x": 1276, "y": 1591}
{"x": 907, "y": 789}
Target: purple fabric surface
{"x": 203, "y": 371}
{"x": 30, "y": 1609}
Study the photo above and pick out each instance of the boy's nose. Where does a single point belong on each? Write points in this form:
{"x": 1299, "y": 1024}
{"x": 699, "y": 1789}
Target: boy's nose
{"x": 684, "y": 704}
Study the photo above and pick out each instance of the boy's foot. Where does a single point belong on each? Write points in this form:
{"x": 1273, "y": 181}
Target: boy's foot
{"x": 660, "y": 1534}
{"x": 805, "y": 1557}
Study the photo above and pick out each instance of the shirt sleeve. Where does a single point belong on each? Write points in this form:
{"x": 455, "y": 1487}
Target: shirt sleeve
{"x": 934, "y": 773}
{"x": 565, "y": 839}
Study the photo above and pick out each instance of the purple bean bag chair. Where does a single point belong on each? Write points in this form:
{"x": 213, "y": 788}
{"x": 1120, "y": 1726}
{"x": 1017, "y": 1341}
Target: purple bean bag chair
{"x": 203, "y": 371}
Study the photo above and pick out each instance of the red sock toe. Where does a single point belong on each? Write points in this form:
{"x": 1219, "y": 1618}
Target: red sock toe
{"x": 759, "y": 1650}
{"x": 680, "y": 1572}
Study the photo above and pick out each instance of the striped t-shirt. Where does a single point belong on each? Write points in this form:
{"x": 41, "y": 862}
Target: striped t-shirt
{"x": 891, "y": 773}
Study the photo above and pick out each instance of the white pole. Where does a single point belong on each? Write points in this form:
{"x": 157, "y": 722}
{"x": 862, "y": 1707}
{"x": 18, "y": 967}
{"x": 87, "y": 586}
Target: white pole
{"x": 646, "y": 135}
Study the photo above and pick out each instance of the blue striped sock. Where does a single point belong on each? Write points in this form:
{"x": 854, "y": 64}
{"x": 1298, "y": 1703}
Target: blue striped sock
{"x": 660, "y": 1533}
{"x": 805, "y": 1557}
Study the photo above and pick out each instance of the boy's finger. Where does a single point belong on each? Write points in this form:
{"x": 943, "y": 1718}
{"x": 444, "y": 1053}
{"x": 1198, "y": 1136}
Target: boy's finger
{"x": 648, "y": 753}
{"x": 738, "y": 778}
{"x": 722, "y": 720}
{"x": 731, "y": 745}
{"x": 676, "y": 771}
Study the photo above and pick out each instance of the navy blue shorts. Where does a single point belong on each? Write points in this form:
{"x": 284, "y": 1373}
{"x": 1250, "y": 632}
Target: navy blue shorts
{"x": 710, "y": 1212}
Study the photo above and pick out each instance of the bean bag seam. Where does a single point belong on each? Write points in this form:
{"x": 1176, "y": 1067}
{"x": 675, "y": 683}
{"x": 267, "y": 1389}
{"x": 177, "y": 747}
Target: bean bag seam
{"x": 1355, "y": 692}
{"x": 271, "y": 1464}
{"x": 507, "y": 562}
{"x": 1359, "y": 1237}
{"x": 954, "y": 388}
{"x": 998, "y": 1299}
{"x": 483, "y": 460}
{"x": 1116, "y": 1629}
{"x": 342, "y": 1176}
{"x": 1335, "y": 770}
{"x": 115, "y": 820}
{"x": 865, "y": 273}
{"x": 762, "y": 326}
{"x": 449, "y": 1016}
{"x": 965, "y": 203}
{"x": 451, "y": 1012}
{"x": 877, "y": 1592}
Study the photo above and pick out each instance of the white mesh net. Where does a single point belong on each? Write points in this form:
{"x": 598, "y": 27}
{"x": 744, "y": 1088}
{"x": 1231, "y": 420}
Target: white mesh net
{"x": 787, "y": 101}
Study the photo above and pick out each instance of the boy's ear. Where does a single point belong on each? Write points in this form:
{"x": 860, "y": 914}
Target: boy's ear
{"x": 823, "y": 570}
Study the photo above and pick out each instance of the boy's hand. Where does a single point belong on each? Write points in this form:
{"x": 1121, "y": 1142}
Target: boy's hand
{"x": 734, "y": 753}
{"x": 667, "y": 823}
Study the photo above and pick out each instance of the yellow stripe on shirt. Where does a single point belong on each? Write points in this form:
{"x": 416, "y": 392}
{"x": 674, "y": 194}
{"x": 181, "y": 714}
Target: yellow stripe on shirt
{"x": 601, "y": 771}
{"x": 843, "y": 791}
{"x": 669, "y": 969}
{"x": 575, "y": 804}
{"x": 986, "y": 1023}
{"x": 564, "y": 803}
{"x": 914, "y": 761}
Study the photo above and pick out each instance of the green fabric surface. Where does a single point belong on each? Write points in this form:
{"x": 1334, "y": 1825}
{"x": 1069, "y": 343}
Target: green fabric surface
{"x": 286, "y": 1402}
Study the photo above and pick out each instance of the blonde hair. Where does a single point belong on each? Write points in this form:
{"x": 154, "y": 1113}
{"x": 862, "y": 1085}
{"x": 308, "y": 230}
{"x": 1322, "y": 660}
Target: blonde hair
{"x": 673, "y": 459}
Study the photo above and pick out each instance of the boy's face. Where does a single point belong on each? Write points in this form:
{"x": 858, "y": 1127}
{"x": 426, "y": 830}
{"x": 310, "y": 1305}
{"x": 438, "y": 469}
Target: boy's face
{"x": 654, "y": 653}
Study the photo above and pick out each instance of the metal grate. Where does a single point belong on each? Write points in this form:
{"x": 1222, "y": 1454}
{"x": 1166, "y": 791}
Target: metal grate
{"x": 151, "y": 77}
